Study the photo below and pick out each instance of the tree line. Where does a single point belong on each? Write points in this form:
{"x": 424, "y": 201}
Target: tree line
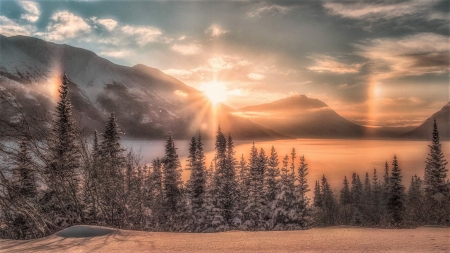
{"x": 48, "y": 184}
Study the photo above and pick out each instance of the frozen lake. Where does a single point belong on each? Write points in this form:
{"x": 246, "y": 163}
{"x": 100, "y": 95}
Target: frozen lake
{"x": 334, "y": 158}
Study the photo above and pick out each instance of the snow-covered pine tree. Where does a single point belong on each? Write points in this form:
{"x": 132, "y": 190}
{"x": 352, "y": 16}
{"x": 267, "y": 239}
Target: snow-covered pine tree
{"x": 272, "y": 177}
{"x": 254, "y": 210}
{"x": 286, "y": 202}
{"x": 190, "y": 164}
{"x": 112, "y": 159}
{"x": 91, "y": 185}
{"x": 198, "y": 186}
{"x": 24, "y": 178}
{"x": 357, "y": 200}
{"x": 155, "y": 196}
{"x": 230, "y": 206}
{"x": 317, "y": 195}
{"x": 346, "y": 197}
{"x": 302, "y": 198}
{"x": 243, "y": 184}
{"x": 328, "y": 216}
{"x": 437, "y": 188}
{"x": 414, "y": 202}
{"x": 172, "y": 184}
{"x": 367, "y": 201}
{"x": 345, "y": 203}
{"x": 396, "y": 198}
{"x": 376, "y": 199}
{"x": 62, "y": 199}
{"x": 19, "y": 215}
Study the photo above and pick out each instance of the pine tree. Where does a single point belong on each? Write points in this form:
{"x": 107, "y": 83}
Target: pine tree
{"x": 113, "y": 163}
{"x": 198, "y": 185}
{"x": 376, "y": 199}
{"x": 62, "y": 198}
{"x": 155, "y": 195}
{"x": 302, "y": 190}
{"x": 437, "y": 188}
{"x": 357, "y": 200}
{"x": 317, "y": 195}
{"x": 272, "y": 176}
{"x": 190, "y": 164}
{"x": 345, "y": 205}
{"x": 367, "y": 200}
{"x": 254, "y": 209}
{"x": 171, "y": 183}
{"x": 328, "y": 216}
{"x": 414, "y": 201}
{"x": 24, "y": 177}
{"x": 285, "y": 214}
{"x": 346, "y": 197}
{"x": 395, "y": 202}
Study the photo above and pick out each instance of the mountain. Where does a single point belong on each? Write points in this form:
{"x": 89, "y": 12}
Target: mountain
{"x": 147, "y": 102}
{"x": 426, "y": 128}
{"x": 302, "y": 117}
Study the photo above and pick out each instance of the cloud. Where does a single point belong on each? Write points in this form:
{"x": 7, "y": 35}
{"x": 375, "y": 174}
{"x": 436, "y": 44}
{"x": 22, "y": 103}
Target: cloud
{"x": 325, "y": 63}
{"x": 65, "y": 25}
{"x": 10, "y": 28}
{"x": 412, "y": 55}
{"x": 142, "y": 34}
{"x": 32, "y": 9}
{"x": 269, "y": 10}
{"x": 370, "y": 11}
{"x": 219, "y": 63}
{"x": 108, "y": 23}
{"x": 215, "y": 31}
{"x": 255, "y": 76}
{"x": 186, "y": 49}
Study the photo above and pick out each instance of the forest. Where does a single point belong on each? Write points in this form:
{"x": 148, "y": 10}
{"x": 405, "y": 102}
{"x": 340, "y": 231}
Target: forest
{"x": 51, "y": 179}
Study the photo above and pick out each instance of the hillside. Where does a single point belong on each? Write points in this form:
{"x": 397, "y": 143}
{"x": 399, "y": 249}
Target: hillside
{"x": 302, "y": 117}
{"x": 426, "y": 128}
{"x": 147, "y": 102}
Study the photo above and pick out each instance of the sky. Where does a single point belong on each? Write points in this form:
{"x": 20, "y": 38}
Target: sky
{"x": 376, "y": 62}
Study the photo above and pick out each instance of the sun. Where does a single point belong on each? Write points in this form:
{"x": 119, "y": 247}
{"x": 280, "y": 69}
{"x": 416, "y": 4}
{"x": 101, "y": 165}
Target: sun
{"x": 215, "y": 91}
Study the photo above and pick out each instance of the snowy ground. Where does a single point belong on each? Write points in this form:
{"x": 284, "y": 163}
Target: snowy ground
{"x": 333, "y": 239}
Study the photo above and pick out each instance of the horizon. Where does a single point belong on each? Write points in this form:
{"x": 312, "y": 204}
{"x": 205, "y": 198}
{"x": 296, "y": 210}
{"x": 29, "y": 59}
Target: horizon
{"x": 376, "y": 64}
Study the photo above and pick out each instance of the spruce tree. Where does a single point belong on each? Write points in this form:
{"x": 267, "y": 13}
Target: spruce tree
{"x": 111, "y": 171}
{"x": 317, "y": 195}
{"x": 272, "y": 176}
{"x": 414, "y": 201}
{"x": 437, "y": 188}
{"x": 396, "y": 197}
{"x": 376, "y": 199}
{"x": 255, "y": 203}
{"x": 302, "y": 190}
{"x": 24, "y": 177}
{"x": 62, "y": 197}
{"x": 346, "y": 197}
{"x": 171, "y": 182}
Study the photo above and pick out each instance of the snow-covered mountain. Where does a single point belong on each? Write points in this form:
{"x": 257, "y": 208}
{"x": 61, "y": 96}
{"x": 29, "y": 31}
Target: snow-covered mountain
{"x": 147, "y": 102}
{"x": 424, "y": 131}
{"x": 303, "y": 117}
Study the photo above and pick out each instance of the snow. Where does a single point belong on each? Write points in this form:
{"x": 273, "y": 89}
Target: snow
{"x": 331, "y": 239}
{"x": 85, "y": 231}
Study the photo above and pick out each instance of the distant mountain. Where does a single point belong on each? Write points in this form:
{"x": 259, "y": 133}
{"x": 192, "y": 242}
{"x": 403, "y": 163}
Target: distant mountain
{"x": 425, "y": 130}
{"x": 302, "y": 117}
{"x": 147, "y": 102}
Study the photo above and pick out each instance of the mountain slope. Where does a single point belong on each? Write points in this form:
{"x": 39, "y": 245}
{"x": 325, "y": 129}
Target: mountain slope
{"x": 300, "y": 116}
{"x": 424, "y": 131}
{"x": 147, "y": 102}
